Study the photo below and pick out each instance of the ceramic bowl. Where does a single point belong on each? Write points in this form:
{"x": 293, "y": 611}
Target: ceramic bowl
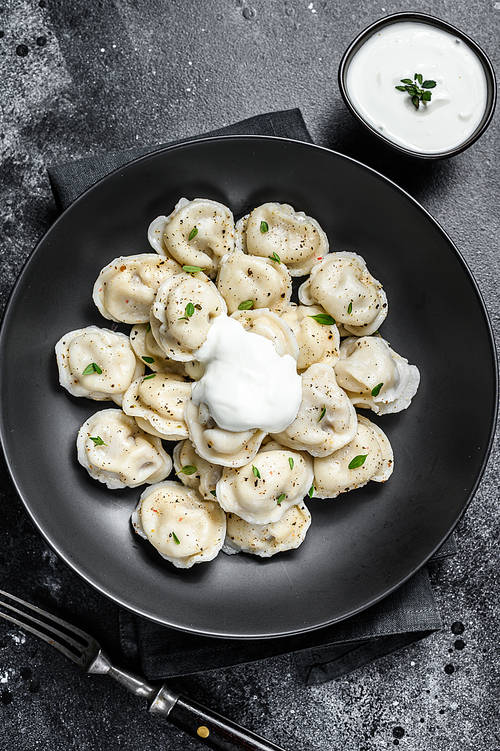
{"x": 491, "y": 86}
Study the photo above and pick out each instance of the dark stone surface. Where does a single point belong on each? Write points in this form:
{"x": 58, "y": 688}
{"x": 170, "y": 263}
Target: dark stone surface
{"x": 83, "y": 78}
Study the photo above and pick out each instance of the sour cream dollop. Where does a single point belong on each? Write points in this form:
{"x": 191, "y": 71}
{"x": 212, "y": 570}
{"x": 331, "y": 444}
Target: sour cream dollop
{"x": 246, "y": 384}
{"x": 399, "y": 51}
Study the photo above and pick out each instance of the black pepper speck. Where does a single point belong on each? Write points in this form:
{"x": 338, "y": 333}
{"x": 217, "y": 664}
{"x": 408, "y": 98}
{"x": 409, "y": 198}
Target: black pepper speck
{"x": 457, "y": 627}
{"x": 22, "y": 50}
{"x": 449, "y": 669}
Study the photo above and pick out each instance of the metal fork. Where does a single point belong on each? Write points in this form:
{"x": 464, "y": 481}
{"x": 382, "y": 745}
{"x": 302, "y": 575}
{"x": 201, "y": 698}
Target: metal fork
{"x": 201, "y": 723}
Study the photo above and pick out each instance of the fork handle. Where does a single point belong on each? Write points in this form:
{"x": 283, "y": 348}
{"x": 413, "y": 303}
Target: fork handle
{"x": 212, "y": 729}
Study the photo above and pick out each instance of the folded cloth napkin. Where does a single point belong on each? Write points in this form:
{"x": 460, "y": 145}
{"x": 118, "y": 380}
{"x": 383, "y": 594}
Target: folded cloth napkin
{"x": 405, "y": 616}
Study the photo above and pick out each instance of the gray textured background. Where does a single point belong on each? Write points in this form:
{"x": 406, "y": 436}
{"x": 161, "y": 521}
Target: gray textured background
{"x": 80, "y": 78}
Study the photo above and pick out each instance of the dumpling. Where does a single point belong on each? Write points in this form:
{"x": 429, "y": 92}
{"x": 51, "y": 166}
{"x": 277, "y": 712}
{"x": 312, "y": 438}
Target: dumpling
{"x": 157, "y": 403}
{"x": 272, "y": 327}
{"x": 261, "y": 491}
{"x": 195, "y": 472}
{"x": 184, "y": 528}
{"x": 218, "y": 446}
{"x": 374, "y": 376}
{"x": 125, "y": 288}
{"x": 97, "y": 363}
{"x": 196, "y": 233}
{"x": 115, "y": 451}
{"x": 266, "y": 540}
{"x": 326, "y": 419}
{"x": 344, "y": 287}
{"x": 182, "y": 312}
{"x": 246, "y": 279}
{"x": 277, "y": 229}
{"x": 149, "y": 351}
{"x": 317, "y": 337}
{"x": 367, "y": 457}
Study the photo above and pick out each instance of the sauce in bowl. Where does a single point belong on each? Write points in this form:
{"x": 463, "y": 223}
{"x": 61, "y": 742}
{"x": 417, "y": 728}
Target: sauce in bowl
{"x": 400, "y": 50}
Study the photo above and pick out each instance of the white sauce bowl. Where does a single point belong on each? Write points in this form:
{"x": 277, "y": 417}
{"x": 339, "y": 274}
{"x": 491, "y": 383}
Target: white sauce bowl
{"x": 398, "y": 47}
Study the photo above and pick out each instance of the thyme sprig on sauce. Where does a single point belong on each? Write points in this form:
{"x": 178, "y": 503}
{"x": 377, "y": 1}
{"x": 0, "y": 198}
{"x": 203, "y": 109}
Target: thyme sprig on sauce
{"x": 418, "y": 89}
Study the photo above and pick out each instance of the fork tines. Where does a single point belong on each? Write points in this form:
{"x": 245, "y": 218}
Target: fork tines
{"x": 71, "y": 641}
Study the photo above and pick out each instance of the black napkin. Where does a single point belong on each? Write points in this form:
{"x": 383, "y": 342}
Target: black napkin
{"x": 405, "y": 616}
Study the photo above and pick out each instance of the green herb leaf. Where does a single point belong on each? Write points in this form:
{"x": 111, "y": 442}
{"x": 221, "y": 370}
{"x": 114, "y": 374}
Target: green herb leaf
{"x": 245, "y": 305}
{"x": 349, "y": 309}
{"x": 176, "y": 539}
{"x": 255, "y": 472}
{"x": 311, "y": 491}
{"x": 187, "y": 469}
{"x": 214, "y": 493}
{"x": 193, "y": 233}
{"x": 92, "y": 367}
{"x": 413, "y": 89}
{"x": 323, "y": 413}
{"x": 188, "y": 312}
{"x": 151, "y": 375}
{"x": 358, "y": 461}
{"x": 290, "y": 462}
{"x": 275, "y": 257}
{"x": 192, "y": 269}
{"x": 281, "y": 499}
{"x": 148, "y": 359}
{"x": 97, "y": 440}
{"x": 376, "y": 389}
{"x": 264, "y": 227}
{"x": 324, "y": 319}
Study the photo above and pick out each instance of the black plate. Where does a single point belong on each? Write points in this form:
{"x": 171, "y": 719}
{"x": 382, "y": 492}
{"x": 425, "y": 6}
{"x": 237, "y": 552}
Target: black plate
{"x": 361, "y": 545}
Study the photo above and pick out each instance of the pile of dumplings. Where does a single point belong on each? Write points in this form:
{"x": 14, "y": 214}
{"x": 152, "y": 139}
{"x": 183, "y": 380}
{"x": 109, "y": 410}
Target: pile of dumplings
{"x": 233, "y": 491}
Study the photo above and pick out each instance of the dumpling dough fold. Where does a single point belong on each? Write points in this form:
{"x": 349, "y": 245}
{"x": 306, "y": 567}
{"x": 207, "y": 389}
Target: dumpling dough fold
{"x": 326, "y": 419}
{"x": 183, "y": 527}
{"x": 115, "y": 451}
